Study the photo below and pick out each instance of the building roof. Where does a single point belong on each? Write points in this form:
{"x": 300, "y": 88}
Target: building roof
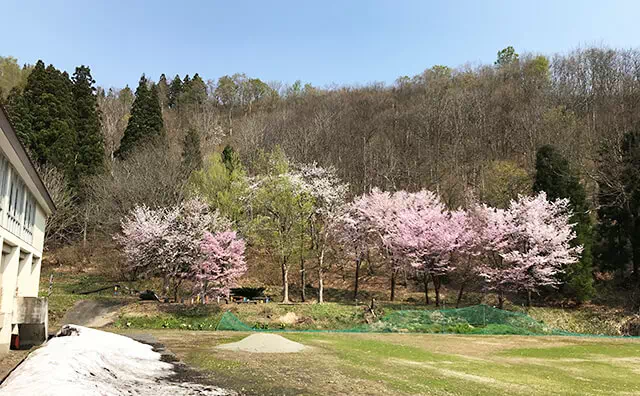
{"x": 19, "y": 149}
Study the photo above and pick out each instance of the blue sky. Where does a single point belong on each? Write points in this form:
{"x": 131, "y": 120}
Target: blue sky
{"x": 322, "y": 42}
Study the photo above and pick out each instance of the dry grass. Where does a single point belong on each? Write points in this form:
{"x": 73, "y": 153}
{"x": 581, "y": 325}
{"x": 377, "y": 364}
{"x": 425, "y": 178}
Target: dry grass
{"x": 407, "y": 364}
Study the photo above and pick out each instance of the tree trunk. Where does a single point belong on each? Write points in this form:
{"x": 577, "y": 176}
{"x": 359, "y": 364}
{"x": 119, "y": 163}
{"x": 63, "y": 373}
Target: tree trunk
{"x": 500, "y": 300}
{"x": 320, "y": 277}
{"x": 425, "y": 280}
{"x": 460, "y": 293}
{"x": 285, "y": 282}
{"x": 165, "y": 286}
{"x": 303, "y": 274}
{"x": 394, "y": 272}
{"x": 84, "y": 229}
{"x": 636, "y": 259}
{"x": 303, "y": 280}
{"x": 320, "y": 287}
{"x": 436, "y": 287}
{"x": 205, "y": 288}
{"x": 355, "y": 287}
{"x": 528, "y": 298}
{"x": 176, "y": 289}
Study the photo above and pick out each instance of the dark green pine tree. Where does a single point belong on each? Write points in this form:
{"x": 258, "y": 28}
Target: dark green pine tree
{"x": 191, "y": 153}
{"x": 555, "y": 177}
{"x": 230, "y": 159}
{"x": 90, "y": 141}
{"x": 126, "y": 95}
{"x": 145, "y": 123}
{"x": 628, "y": 212}
{"x": 44, "y": 116}
{"x": 155, "y": 111}
{"x": 163, "y": 90}
{"x": 175, "y": 90}
{"x": 619, "y": 208}
{"x": 194, "y": 91}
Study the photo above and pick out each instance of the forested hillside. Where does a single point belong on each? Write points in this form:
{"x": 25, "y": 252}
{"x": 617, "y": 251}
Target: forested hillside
{"x": 564, "y": 124}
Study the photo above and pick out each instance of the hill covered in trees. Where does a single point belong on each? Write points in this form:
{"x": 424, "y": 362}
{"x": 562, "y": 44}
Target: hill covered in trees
{"x": 565, "y": 124}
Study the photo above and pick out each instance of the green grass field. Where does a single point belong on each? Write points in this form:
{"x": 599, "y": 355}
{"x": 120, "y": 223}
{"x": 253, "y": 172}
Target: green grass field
{"x": 377, "y": 364}
{"x": 418, "y": 364}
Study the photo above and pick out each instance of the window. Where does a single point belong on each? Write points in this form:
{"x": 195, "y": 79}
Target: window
{"x": 4, "y": 177}
{"x": 16, "y": 204}
{"x": 16, "y": 199}
{"x": 21, "y": 209}
{"x": 29, "y": 217}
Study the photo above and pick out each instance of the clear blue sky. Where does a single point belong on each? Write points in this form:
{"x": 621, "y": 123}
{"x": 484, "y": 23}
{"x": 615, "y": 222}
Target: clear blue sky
{"x": 322, "y": 42}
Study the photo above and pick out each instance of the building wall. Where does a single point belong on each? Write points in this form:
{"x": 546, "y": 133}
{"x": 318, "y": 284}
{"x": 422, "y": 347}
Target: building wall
{"x": 22, "y": 227}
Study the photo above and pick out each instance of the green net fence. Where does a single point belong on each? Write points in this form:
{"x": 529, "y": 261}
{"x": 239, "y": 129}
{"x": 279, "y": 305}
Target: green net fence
{"x": 477, "y": 319}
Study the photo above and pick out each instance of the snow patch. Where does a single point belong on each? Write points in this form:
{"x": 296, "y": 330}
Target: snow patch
{"x": 84, "y": 361}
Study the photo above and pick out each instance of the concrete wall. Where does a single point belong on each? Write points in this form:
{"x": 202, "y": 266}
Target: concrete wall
{"x": 30, "y": 314}
{"x": 21, "y": 311}
{"x": 9, "y": 272}
{"x": 20, "y": 263}
{"x": 38, "y": 229}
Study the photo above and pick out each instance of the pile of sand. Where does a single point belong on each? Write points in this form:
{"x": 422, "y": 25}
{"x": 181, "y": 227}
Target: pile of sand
{"x": 288, "y": 318}
{"x": 264, "y": 343}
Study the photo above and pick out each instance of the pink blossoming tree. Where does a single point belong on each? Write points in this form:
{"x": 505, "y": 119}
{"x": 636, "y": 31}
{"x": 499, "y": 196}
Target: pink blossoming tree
{"x": 427, "y": 234}
{"x": 528, "y": 245}
{"x": 167, "y": 242}
{"x": 222, "y": 263}
{"x": 368, "y": 224}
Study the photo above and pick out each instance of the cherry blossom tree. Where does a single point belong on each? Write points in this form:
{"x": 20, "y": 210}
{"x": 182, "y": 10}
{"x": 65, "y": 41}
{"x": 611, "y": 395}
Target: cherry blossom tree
{"x": 368, "y": 223}
{"x": 187, "y": 224}
{"x": 351, "y": 233}
{"x": 427, "y": 234}
{"x": 142, "y": 240}
{"x": 528, "y": 244}
{"x": 166, "y": 241}
{"x": 329, "y": 193}
{"x": 493, "y": 227}
{"x": 223, "y": 262}
{"x": 541, "y": 239}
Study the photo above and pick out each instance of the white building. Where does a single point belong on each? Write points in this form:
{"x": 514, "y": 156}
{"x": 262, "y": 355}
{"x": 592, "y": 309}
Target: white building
{"x": 25, "y": 205}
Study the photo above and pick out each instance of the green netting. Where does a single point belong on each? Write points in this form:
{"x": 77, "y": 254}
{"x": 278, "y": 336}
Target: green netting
{"x": 230, "y": 322}
{"x": 477, "y": 319}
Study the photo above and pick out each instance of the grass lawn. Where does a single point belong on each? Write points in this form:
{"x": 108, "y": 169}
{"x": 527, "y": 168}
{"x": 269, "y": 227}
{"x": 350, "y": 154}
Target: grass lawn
{"x": 409, "y": 364}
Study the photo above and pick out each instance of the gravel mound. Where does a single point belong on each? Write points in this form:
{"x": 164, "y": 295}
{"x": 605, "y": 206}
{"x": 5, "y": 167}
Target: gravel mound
{"x": 264, "y": 343}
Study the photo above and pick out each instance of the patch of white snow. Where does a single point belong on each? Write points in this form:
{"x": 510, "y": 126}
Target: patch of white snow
{"x": 94, "y": 362}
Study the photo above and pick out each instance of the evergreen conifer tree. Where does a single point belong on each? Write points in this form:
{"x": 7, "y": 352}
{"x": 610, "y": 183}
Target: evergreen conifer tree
{"x": 145, "y": 123}
{"x": 90, "y": 146}
{"x": 44, "y": 116}
{"x": 175, "y": 90}
{"x": 194, "y": 92}
{"x": 191, "y": 153}
{"x": 555, "y": 177}
{"x": 230, "y": 159}
{"x": 163, "y": 90}
{"x": 619, "y": 207}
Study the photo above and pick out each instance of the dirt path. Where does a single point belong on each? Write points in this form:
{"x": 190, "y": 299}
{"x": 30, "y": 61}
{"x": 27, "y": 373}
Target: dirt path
{"x": 184, "y": 375}
{"x": 9, "y": 361}
{"x": 92, "y": 313}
